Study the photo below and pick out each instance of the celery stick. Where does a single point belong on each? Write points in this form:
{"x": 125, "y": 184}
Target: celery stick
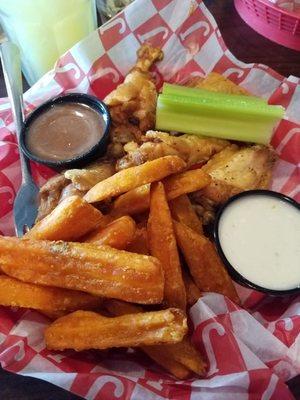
{"x": 177, "y": 90}
{"x": 250, "y": 122}
{"x": 229, "y": 105}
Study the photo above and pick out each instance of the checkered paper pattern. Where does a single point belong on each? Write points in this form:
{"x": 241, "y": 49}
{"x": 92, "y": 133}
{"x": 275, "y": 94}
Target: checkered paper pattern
{"x": 251, "y": 351}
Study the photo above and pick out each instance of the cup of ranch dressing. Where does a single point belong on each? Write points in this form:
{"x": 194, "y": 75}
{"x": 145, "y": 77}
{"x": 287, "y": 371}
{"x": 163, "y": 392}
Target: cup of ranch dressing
{"x": 257, "y": 234}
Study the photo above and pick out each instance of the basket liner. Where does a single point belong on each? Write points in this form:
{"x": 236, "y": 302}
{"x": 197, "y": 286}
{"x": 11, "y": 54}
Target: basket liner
{"x": 251, "y": 351}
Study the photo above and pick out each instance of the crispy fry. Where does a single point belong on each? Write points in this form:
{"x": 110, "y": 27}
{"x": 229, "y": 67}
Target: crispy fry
{"x": 164, "y": 358}
{"x": 157, "y": 353}
{"x": 53, "y": 315}
{"x": 192, "y": 292}
{"x": 138, "y": 200}
{"x": 186, "y": 182}
{"x": 135, "y": 176}
{"x": 177, "y": 358}
{"x": 106, "y": 220}
{"x": 21, "y": 294}
{"x": 117, "y": 307}
{"x": 117, "y": 234}
{"x": 139, "y": 243}
{"x": 84, "y": 330}
{"x": 71, "y": 219}
{"x": 133, "y": 202}
{"x": 182, "y": 211}
{"x": 99, "y": 270}
{"x": 204, "y": 264}
{"x": 162, "y": 245}
{"x": 183, "y": 353}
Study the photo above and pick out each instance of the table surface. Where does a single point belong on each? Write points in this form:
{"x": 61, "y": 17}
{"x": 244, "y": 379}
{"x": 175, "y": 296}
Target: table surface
{"x": 247, "y": 46}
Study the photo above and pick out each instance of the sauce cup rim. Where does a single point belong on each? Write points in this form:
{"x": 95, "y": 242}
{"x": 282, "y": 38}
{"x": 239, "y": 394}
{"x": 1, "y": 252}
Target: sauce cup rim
{"x": 79, "y": 98}
{"x": 237, "y": 277}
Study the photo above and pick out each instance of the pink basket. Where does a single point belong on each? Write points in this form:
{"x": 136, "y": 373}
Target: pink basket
{"x": 278, "y": 25}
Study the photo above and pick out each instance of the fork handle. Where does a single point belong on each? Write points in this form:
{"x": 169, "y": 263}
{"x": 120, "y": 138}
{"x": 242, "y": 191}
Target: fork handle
{"x": 11, "y": 64}
{"x": 25, "y": 166}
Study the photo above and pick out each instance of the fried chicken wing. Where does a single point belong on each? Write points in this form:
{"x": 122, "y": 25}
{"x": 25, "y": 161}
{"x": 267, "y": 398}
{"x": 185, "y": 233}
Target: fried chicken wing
{"x": 120, "y": 134}
{"x": 192, "y": 149}
{"x": 234, "y": 170}
{"x": 49, "y": 195}
{"x": 70, "y": 190}
{"x": 72, "y": 182}
{"x": 132, "y": 104}
{"x": 135, "y": 98}
{"x": 84, "y": 179}
{"x": 216, "y": 83}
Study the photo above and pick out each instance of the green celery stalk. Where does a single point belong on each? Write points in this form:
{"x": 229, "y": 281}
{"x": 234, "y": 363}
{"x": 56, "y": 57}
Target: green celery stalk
{"x": 230, "y": 105}
{"x": 177, "y": 90}
{"x": 229, "y": 119}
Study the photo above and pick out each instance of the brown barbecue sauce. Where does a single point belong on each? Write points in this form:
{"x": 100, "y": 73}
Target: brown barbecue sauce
{"x": 65, "y": 131}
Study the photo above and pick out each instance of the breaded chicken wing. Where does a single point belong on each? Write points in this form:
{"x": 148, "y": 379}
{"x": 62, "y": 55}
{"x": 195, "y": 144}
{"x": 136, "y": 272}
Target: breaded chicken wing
{"x": 237, "y": 169}
{"x": 216, "y": 83}
{"x": 50, "y": 194}
{"x": 192, "y": 149}
{"x": 132, "y": 104}
{"x": 85, "y": 178}
{"x": 72, "y": 182}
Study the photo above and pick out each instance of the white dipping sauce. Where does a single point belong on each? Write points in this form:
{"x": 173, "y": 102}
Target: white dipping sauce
{"x": 260, "y": 237}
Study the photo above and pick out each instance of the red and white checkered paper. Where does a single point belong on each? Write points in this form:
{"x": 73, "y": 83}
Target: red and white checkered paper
{"x": 250, "y": 353}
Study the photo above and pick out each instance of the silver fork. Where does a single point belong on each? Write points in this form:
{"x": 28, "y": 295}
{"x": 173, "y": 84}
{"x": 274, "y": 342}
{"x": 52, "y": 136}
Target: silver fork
{"x": 25, "y": 204}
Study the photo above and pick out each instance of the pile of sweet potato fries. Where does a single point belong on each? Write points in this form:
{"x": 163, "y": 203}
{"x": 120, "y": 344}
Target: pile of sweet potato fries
{"x": 84, "y": 269}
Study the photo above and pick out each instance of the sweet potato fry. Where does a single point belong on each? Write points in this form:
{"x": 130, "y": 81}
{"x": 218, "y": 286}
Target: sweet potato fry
{"x": 139, "y": 243}
{"x": 84, "y": 330}
{"x": 118, "y": 307}
{"x": 138, "y": 200}
{"x": 53, "y": 315}
{"x": 192, "y": 292}
{"x": 162, "y": 245}
{"x": 185, "y": 182}
{"x": 164, "y": 358}
{"x": 182, "y": 211}
{"x": 22, "y": 294}
{"x": 204, "y": 263}
{"x": 133, "y": 177}
{"x": 117, "y": 234}
{"x": 157, "y": 353}
{"x": 71, "y": 219}
{"x": 133, "y": 202}
{"x": 179, "y": 358}
{"x": 185, "y": 354}
{"x": 106, "y": 220}
{"x": 99, "y": 270}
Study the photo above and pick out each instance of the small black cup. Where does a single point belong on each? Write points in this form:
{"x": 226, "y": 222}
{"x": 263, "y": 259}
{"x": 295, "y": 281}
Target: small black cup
{"x": 236, "y": 276}
{"x": 78, "y": 161}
